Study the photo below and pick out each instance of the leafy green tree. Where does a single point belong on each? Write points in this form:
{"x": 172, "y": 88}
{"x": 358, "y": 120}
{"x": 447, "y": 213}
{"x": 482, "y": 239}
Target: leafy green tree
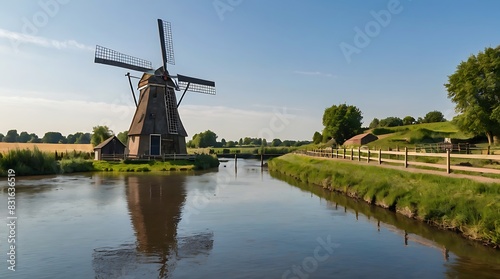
{"x": 123, "y": 137}
{"x": 408, "y": 120}
{"x": 341, "y": 122}
{"x": 11, "y": 136}
{"x": 276, "y": 142}
{"x": 1, "y": 137}
{"x": 391, "y": 122}
{"x": 204, "y": 139}
{"x": 71, "y": 139}
{"x": 83, "y": 138}
{"x": 231, "y": 143}
{"x": 34, "y": 138}
{"x": 420, "y": 120}
{"x": 264, "y": 142}
{"x": 223, "y": 142}
{"x": 24, "y": 137}
{"x": 100, "y": 134}
{"x": 434, "y": 116}
{"x": 247, "y": 141}
{"x": 374, "y": 124}
{"x": 475, "y": 90}
{"x": 240, "y": 142}
{"x": 317, "y": 137}
{"x": 52, "y": 137}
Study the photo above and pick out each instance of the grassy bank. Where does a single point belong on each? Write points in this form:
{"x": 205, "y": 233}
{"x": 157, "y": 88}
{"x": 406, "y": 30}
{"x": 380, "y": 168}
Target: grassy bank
{"x": 465, "y": 206}
{"x": 35, "y": 162}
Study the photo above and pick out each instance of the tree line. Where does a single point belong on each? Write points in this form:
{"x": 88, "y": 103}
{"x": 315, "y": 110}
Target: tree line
{"x": 209, "y": 139}
{"x": 98, "y": 135}
{"x": 474, "y": 88}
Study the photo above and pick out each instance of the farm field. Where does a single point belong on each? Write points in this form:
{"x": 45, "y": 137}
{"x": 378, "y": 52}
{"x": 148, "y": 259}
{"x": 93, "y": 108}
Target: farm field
{"x": 46, "y": 147}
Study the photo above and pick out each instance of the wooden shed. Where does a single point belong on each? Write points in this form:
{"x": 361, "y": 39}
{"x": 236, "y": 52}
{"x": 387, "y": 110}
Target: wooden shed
{"x": 361, "y": 139}
{"x": 110, "y": 149}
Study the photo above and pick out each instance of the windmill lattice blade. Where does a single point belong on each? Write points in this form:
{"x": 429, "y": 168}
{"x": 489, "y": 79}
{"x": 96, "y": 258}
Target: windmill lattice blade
{"x": 111, "y": 57}
{"x": 196, "y": 85}
{"x": 167, "y": 44}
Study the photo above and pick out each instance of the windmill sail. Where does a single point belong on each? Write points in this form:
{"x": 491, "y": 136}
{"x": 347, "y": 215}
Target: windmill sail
{"x": 196, "y": 85}
{"x": 104, "y": 55}
{"x": 166, "y": 42}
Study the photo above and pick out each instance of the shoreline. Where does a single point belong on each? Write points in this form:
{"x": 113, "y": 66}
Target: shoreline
{"x": 468, "y": 207}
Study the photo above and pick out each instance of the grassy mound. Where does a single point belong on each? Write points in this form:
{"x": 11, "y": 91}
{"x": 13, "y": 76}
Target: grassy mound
{"x": 465, "y": 206}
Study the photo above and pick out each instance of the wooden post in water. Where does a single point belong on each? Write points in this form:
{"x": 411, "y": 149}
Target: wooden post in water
{"x": 359, "y": 153}
{"x": 406, "y": 157}
{"x": 261, "y": 160}
{"x": 235, "y": 161}
{"x": 448, "y": 170}
{"x": 380, "y": 156}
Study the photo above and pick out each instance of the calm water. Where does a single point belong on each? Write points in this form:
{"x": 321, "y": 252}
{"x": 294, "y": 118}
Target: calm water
{"x": 248, "y": 224}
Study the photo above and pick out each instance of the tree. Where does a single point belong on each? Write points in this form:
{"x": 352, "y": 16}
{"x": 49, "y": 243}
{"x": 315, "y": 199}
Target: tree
{"x": 276, "y": 142}
{"x": 408, "y": 120}
{"x": 341, "y": 122}
{"x": 52, "y": 137}
{"x": 475, "y": 90}
{"x": 264, "y": 142}
{"x": 1, "y": 137}
{"x": 247, "y": 141}
{"x": 34, "y": 138}
{"x": 231, "y": 143}
{"x": 24, "y": 137}
{"x": 434, "y": 116}
{"x": 205, "y": 139}
{"x": 374, "y": 124}
{"x": 223, "y": 142}
{"x": 240, "y": 142}
{"x": 420, "y": 120}
{"x": 11, "y": 136}
{"x": 391, "y": 122}
{"x": 317, "y": 137}
{"x": 123, "y": 137}
{"x": 83, "y": 138}
{"x": 100, "y": 134}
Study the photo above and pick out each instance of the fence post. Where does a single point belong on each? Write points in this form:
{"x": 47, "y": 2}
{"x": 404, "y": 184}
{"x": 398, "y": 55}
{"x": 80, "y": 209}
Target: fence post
{"x": 337, "y": 153}
{"x": 467, "y": 148}
{"x": 368, "y": 158}
{"x": 448, "y": 161}
{"x": 488, "y": 150}
{"x": 380, "y": 156}
{"x": 406, "y": 157}
{"x": 343, "y": 157}
{"x": 359, "y": 153}
{"x": 352, "y": 154}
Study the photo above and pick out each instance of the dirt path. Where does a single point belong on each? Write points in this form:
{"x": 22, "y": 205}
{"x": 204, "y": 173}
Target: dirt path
{"x": 477, "y": 178}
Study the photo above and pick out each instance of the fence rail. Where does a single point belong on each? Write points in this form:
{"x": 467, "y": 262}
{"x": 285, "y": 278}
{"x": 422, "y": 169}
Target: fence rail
{"x": 403, "y": 158}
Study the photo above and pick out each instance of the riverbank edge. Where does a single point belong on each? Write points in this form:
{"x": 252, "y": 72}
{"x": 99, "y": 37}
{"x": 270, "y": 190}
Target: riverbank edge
{"x": 35, "y": 162}
{"x": 467, "y": 207}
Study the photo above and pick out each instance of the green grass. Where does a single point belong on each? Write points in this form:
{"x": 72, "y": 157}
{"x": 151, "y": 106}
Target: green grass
{"x": 465, "y": 206}
{"x": 202, "y": 162}
{"x": 410, "y": 135}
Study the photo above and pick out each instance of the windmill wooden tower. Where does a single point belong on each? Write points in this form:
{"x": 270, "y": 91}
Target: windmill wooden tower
{"x": 156, "y": 128}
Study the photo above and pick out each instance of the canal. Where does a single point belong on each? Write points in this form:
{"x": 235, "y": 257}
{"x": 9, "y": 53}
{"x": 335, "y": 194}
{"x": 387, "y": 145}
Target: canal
{"x": 243, "y": 223}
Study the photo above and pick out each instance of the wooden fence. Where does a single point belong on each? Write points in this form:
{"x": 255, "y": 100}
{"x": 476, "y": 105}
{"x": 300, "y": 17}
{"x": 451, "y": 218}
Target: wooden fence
{"x": 403, "y": 158}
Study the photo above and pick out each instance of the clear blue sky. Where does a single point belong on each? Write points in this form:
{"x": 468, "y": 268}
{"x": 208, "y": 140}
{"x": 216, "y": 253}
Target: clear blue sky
{"x": 277, "y": 64}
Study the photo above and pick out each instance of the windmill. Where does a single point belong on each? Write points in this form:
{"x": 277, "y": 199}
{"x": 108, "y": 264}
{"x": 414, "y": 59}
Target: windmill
{"x": 156, "y": 128}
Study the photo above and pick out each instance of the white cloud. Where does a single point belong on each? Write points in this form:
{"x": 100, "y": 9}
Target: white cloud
{"x": 19, "y": 38}
{"x": 305, "y": 73}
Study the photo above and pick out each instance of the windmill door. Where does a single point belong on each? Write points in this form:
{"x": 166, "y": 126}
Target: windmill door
{"x": 155, "y": 145}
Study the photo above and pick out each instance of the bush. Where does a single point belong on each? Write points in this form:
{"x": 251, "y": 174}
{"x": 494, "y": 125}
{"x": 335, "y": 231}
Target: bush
{"x": 29, "y": 162}
{"x": 75, "y": 165}
{"x": 204, "y": 162}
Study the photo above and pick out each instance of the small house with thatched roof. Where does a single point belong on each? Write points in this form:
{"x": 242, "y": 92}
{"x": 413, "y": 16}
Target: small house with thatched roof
{"x": 361, "y": 139}
{"x": 110, "y": 149}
